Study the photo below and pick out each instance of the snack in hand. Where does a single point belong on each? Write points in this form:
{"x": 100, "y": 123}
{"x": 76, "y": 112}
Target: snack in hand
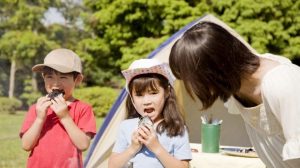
{"x": 55, "y": 92}
{"x": 145, "y": 121}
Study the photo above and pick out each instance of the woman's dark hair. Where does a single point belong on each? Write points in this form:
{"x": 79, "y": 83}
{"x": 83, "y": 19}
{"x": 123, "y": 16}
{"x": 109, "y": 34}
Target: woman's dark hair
{"x": 211, "y": 62}
{"x": 173, "y": 122}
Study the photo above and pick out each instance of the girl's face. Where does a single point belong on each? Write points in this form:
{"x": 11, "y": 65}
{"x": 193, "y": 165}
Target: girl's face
{"x": 61, "y": 81}
{"x": 150, "y": 102}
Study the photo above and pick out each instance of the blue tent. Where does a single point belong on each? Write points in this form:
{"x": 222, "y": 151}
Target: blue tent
{"x": 104, "y": 140}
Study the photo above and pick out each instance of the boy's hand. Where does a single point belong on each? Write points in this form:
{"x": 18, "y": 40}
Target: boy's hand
{"x": 59, "y": 106}
{"x": 42, "y": 105}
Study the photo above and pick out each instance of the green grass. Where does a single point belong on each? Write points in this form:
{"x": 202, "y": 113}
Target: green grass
{"x": 12, "y": 155}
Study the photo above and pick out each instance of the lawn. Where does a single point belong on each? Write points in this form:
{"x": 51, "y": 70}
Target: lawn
{"x": 12, "y": 155}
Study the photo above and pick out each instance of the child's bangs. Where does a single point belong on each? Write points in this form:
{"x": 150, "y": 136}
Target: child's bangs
{"x": 143, "y": 84}
{"x": 49, "y": 71}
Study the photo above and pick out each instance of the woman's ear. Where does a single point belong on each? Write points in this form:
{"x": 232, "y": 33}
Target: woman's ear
{"x": 78, "y": 79}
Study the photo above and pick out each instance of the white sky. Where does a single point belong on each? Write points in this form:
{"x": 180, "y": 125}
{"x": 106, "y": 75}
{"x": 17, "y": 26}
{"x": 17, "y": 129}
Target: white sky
{"x": 53, "y": 16}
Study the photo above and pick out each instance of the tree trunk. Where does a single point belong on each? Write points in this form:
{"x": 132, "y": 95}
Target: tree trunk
{"x": 34, "y": 82}
{"x": 12, "y": 79}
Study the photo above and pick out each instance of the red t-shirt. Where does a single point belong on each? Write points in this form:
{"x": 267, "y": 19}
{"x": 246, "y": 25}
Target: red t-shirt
{"x": 54, "y": 148}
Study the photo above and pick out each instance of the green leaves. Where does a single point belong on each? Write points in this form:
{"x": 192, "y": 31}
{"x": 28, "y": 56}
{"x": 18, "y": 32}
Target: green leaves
{"x": 23, "y": 45}
{"x": 132, "y": 29}
{"x": 109, "y": 34}
{"x": 268, "y": 26}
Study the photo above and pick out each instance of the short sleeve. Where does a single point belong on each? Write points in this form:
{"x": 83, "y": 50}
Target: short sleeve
{"x": 87, "y": 121}
{"x": 121, "y": 143}
{"x": 182, "y": 149}
{"x": 28, "y": 120}
{"x": 281, "y": 90}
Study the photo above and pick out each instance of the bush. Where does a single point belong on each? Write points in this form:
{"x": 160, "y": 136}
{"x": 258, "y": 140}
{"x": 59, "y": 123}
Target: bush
{"x": 8, "y": 105}
{"x": 101, "y": 98}
{"x": 29, "y": 96}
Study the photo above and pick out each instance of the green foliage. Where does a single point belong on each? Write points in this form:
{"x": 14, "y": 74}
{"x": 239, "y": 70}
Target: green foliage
{"x": 29, "y": 96}
{"x": 9, "y": 105}
{"x": 141, "y": 48}
{"x": 10, "y": 143}
{"x": 269, "y": 26}
{"x": 93, "y": 52}
{"x": 134, "y": 28}
{"x": 101, "y": 98}
{"x": 23, "y": 37}
{"x": 24, "y": 46}
{"x": 66, "y": 37}
{"x": 109, "y": 34}
{"x": 23, "y": 14}
{"x": 131, "y": 29}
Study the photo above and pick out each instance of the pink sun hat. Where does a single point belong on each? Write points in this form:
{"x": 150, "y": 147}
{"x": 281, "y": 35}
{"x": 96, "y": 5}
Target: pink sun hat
{"x": 147, "y": 66}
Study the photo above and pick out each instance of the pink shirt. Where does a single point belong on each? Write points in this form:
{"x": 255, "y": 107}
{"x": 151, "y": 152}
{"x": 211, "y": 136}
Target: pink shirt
{"x": 54, "y": 148}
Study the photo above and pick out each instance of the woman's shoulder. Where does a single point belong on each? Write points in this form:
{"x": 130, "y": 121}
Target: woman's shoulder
{"x": 283, "y": 71}
{"x": 280, "y": 80}
{"x": 277, "y": 58}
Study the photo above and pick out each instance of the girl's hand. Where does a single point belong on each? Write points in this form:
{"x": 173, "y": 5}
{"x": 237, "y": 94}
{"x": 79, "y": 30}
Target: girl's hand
{"x": 148, "y": 137}
{"x": 60, "y": 107}
{"x": 136, "y": 145}
{"x": 42, "y": 105}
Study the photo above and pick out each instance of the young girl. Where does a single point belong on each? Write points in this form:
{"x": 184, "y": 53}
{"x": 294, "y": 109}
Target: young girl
{"x": 166, "y": 143}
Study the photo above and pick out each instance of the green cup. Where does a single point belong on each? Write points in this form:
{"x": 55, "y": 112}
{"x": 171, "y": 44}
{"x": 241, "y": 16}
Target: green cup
{"x": 210, "y": 138}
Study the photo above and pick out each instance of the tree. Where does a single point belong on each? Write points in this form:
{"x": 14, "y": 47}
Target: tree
{"x": 269, "y": 26}
{"x": 127, "y": 30}
{"x": 109, "y": 34}
{"x": 21, "y": 24}
{"x": 132, "y": 29}
{"x": 22, "y": 49}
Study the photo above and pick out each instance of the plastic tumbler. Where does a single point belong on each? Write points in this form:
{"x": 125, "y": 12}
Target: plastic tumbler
{"x": 210, "y": 138}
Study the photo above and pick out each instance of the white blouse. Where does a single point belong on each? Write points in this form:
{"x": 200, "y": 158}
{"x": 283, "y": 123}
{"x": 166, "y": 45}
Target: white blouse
{"x": 274, "y": 126}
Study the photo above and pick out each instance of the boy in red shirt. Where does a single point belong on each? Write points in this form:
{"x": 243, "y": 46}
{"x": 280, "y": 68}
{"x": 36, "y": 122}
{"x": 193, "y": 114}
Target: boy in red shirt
{"x": 58, "y": 127}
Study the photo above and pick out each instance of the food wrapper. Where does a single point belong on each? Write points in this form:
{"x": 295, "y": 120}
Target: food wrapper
{"x": 146, "y": 121}
{"x": 55, "y": 93}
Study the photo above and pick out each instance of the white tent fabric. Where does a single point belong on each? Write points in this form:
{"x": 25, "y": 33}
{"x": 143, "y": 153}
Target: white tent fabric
{"x": 233, "y": 131}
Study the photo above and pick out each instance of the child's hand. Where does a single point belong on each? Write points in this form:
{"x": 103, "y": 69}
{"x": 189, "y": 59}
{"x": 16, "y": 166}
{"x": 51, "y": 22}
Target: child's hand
{"x": 136, "y": 145}
{"x": 41, "y": 107}
{"x": 148, "y": 137}
{"x": 59, "y": 106}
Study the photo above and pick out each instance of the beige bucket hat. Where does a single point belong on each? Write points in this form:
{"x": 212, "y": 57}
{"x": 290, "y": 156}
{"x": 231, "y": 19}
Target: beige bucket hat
{"x": 63, "y": 60}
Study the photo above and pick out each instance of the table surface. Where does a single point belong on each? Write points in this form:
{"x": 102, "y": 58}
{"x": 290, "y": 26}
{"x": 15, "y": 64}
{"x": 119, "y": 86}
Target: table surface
{"x": 221, "y": 160}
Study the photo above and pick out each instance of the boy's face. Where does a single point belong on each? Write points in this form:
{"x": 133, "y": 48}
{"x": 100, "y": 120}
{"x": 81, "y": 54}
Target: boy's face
{"x": 65, "y": 82}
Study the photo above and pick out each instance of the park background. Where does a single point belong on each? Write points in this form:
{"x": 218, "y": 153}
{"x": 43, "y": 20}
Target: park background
{"x": 108, "y": 35}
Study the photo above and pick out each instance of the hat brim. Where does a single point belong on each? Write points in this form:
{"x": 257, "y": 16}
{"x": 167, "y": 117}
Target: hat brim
{"x": 158, "y": 69}
{"x": 62, "y": 69}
